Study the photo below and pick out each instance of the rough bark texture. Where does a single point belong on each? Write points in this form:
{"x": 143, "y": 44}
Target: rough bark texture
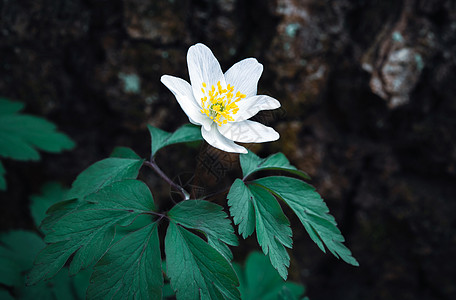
{"x": 368, "y": 93}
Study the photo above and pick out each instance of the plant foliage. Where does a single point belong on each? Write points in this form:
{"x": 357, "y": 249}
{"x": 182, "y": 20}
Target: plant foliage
{"x": 197, "y": 270}
{"x": 253, "y": 206}
{"x": 109, "y": 223}
{"x": 52, "y": 192}
{"x": 88, "y": 229}
{"x": 259, "y": 280}
{"x": 22, "y": 135}
{"x": 103, "y": 173}
{"x": 184, "y": 134}
{"x": 311, "y": 211}
{"x": 208, "y": 218}
{"x": 17, "y": 252}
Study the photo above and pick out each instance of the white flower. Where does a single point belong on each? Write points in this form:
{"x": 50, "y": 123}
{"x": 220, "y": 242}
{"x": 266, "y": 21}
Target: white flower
{"x": 223, "y": 103}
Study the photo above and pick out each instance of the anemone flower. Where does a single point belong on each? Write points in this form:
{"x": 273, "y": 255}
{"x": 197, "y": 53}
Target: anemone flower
{"x": 222, "y": 103}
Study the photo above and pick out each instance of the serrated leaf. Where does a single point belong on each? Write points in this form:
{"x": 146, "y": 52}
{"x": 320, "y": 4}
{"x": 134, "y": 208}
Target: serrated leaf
{"x": 220, "y": 247}
{"x": 131, "y": 269}
{"x": 251, "y": 163}
{"x": 161, "y": 138}
{"x": 56, "y": 212}
{"x": 88, "y": 230}
{"x": 103, "y": 173}
{"x": 22, "y": 135}
{"x": 273, "y": 230}
{"x": 240, "y": 201}
{"x": 8, "y": 107}
{"x": 51, "y": 193}
{"x": 210, "y": 219}
{"x": 196, "y": 270}
{"x": 259, "y": 280}
{"x": 311, "y": 211}
{"x": 2, "y": 177}
{"x": 272, "y": 226}
{"x": 124, "y": 152}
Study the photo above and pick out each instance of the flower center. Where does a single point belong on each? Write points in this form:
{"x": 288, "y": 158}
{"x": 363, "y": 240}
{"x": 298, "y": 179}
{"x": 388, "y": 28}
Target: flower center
{"x": 220, "y": 104}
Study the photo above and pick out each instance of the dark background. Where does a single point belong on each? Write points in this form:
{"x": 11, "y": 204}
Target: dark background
{"x": 368, "y": 94}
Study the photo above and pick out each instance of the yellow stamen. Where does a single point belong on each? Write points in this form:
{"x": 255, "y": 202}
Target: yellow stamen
{"x": 222, "y": 103}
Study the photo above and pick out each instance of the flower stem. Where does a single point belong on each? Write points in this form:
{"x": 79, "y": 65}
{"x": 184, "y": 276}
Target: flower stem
{"x": 151, "y": 164}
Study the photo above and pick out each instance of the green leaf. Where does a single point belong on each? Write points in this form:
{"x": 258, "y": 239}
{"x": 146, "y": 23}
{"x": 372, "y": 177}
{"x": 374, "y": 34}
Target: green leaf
{"x": 20, "y": 248}
{"x": 251, "y": 163}
{"x": 8, "y": 107}
{"x": 272, "y": 226}
{"x": 208, "y": 218}
{"x": 259, "y": 280}
{"x": 22, "y": 135}
{"x": 103, "y": 173}
{"x": 124, "y": 152}
{"x": 88, "y": 230}
{"x": 220, "y": 247}
{"x": 272, "y": 229}
{"x": 81, "y": 283}
{"x": 52, "y": 192}
{"x": 167, "y": 291}
{"x": 311, "y": 211}
{"x": 60, "y": 287}
{"x": 130, "y": 269}
{"x": 2, "y": 177}
{"x": 24, "y": 246}
{"x": 17, "y": 250}
{"x": 10, "y": 273}
{"x": 184, "y": 134}
{"x": 56, "y": 212}
{"x": 240, "y": 200}
{"x": 14, "y": 147}
{"x": 4, "y": 295}
{"x": 196, "y": 270}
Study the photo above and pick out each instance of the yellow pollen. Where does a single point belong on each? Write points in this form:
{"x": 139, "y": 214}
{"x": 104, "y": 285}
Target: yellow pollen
{"x": 222, "y": 103}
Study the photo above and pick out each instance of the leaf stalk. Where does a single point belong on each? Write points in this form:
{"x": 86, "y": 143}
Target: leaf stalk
{"x": 153, "y": 165}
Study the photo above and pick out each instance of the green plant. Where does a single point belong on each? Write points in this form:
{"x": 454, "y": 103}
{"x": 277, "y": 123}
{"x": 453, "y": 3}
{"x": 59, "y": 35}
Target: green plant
{"x": 22, "y": 135}
{"x": 109, "y": 220}
{"x": 18, "y": 249}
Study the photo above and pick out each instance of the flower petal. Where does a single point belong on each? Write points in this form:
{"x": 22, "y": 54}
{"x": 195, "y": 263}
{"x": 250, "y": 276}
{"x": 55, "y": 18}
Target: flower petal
{"x": 217, "y": 140}
{"x": 244, "y": 76}
{"x": 249, "y": 132}
{"x": 203, "y": 67}
{"x": 184, "y": 96}
{"x": 249, "y": 107}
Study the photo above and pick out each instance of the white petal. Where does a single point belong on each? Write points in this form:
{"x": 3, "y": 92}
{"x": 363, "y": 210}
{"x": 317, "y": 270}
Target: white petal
{"x": 249, "y": 132}
{"x": 217, "y": 140}
{"x": 249, "y": 107}
{"x": 184, "y": 96}
{"x": 203, "y": 67}
{"x": 244, "y": 76}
